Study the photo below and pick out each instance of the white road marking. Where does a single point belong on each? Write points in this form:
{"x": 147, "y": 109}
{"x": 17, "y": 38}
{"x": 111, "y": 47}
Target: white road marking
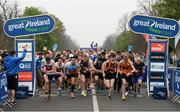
{"x": 95, "y": 102}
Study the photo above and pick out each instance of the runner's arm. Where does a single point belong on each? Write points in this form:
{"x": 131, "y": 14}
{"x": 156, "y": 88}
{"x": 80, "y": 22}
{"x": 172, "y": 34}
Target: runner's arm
{"x": 92, "y": 68}
{"x": 133, "y": 68}
{"x": 119, "y": 69}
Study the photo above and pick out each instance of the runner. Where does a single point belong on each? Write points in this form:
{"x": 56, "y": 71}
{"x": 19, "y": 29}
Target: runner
{"x": 48, "y": 69}
{"x": 126, "y": 69}
{"x": 59, "y": 73}
{"x": 86, "y": 66}
{"x": 130, "y": 85}
{"x": 98, "y": 72}
{"x": 57, "y": 56}
{"x": 110, "y": 70}
{"x": 138, "y": 75}
{"x": 118, "y": 80}
{"x": 72, "y": 72}
{"x": 67, "y": 79}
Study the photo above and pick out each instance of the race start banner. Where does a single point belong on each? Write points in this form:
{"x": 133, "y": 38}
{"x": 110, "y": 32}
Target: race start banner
{"x": 157, "y": 64}
{"x": 27, "y": 26}
{"x": 27, "y": 65}
{"x": 3, "y": 87}
{"x": 161, "y": 27}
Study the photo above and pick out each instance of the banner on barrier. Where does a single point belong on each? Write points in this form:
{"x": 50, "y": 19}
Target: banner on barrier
{"x": 170, "y": 79}
{"x": 177, "y": 82}
{"x": 3, "y": 87}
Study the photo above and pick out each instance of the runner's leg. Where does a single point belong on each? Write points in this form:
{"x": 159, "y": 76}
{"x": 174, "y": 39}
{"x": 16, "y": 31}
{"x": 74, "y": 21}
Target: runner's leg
{"x": 72, "y": 86}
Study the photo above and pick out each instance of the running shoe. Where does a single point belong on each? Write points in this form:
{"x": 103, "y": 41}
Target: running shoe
{"x": 72, "y": 95}
{"x": 82, "y": 93}
{"x": 139, "y": 95}
{"x": 79, "y": 87}
{"x": 126, "y": 93}
{"x": 59, "y": 91}
{"x": 85, "y": 94}
{"x": 89, "y": 91}
{"x": 123, "y": 97}
{"x": 49, "y": 96}
{"x": 109, "y": 97}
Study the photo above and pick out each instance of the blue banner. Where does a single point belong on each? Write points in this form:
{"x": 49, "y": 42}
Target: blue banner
{"x": 170, "y": 74}
{"x": 157, "y": 64}
{"x": 162, "y": 27}
{"x": 84, "y": 49}
{"x": 27, "y": 65}
{"x": 26, "y": 26}
{"x": 3, "y": 87}
{"x": 177, "y": 82}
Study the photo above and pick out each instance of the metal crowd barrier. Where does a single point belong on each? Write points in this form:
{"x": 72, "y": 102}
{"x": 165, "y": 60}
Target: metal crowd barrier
{"x": 3, "y": 88}
{"x": 174, "y": 83}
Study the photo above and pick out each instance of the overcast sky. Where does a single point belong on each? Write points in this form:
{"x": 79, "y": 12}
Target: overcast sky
{"x": 86, "y": 20}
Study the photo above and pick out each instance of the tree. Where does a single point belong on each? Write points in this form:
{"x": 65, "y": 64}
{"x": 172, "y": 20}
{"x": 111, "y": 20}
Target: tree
{"x": 146, "y": 7}
{"x": 45, "y": 40}
{"x": 8, "y": 10}
{"x": 126, "y": 38}
{"x": 109, "y": 42}
{"x": 57, "y": 36}
{"x": 168, "y": 8}
{"x": 31, "y": 11}
{"x": 66, "y": 43}
{"x": 123, "y": 21}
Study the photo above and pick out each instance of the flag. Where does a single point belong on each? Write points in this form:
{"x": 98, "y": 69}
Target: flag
{"x": 146, "y": 37}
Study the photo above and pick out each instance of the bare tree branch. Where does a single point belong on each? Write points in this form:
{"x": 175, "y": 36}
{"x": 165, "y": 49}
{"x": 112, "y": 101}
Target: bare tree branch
{"x": 8, "y": 9}
{"x": 122, "y": 25}
{"x": 10, "y": 13}
{"x": 110, "y": 40}
{"x": 145, "y": 7}
{"x": 2, "y": 5}
{"x": 16, "y": 10}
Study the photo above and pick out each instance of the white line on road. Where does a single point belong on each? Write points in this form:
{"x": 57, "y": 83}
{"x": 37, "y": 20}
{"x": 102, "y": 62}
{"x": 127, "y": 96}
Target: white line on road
{"x": 95, "y": 102}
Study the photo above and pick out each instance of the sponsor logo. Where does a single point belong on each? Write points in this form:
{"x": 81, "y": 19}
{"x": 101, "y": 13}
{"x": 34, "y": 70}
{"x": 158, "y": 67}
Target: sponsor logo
{"x": 29, "y": 25}
{"x": 157, "y": 47}
{"x": 25, "y": 65}
{"x": 25, "y": 76}
{"x": 163, "y": 27}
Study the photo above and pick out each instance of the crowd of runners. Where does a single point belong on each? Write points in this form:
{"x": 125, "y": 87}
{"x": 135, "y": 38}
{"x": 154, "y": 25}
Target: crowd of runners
{"x": 86, "y": 70}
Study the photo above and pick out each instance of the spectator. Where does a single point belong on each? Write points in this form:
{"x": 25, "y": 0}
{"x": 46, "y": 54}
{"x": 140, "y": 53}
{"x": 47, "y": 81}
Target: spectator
{"x": 11, "y": 67}
{"x": 38, "y": 69}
